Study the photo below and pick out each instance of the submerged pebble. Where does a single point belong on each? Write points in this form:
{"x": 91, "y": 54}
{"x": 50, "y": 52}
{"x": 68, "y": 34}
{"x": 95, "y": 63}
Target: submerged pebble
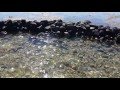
{"x": 60, "y": 57}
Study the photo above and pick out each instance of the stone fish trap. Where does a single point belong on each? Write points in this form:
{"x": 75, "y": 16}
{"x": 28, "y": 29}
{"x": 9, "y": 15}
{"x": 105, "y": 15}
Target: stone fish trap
{"x": 59, "y": 28}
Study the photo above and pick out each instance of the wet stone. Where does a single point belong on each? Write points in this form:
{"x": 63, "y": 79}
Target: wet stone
{"x": 102, "y": 51}
{"x": 105, "y": 56}
{"x": 87, "y": 68}
{"x": 117, "y": 49}
{"x": 15, "y": 49}
{"x": 58, "y": 56}
{"x": 74, "y": 51}
{"x": 67, "y": 64}
{"x": 3, "y": 66}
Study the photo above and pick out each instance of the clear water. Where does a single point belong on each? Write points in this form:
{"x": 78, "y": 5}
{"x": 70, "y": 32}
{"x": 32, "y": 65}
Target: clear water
{"x": 95, "y": 17}
{"x": 44, "y": 56}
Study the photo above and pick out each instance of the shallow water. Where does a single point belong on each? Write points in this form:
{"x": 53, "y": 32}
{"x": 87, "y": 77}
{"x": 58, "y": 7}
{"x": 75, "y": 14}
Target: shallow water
{"x": 45, "y": 56}
{"x": 106, "y": 18}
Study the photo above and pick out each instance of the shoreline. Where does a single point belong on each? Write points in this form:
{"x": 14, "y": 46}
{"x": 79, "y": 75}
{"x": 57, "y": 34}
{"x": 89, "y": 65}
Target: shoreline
{"x": 59, "y": 28}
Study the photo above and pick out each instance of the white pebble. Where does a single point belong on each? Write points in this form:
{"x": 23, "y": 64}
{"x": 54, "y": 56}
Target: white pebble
{"x": 52, "y": 55}
{"x": 92, "y": 28}
{"x": 44, "y": 46}
{"x": 39, "y": 47}
{"x": 20, "y": 36}
{"x": 28, "y": 52}
{"x": 12, "y": 69}
{"x": 45, "y": 76}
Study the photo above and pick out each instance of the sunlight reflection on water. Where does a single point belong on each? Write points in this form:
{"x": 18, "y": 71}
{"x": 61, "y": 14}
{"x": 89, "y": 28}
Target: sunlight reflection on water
{"x": 95, "y": 17}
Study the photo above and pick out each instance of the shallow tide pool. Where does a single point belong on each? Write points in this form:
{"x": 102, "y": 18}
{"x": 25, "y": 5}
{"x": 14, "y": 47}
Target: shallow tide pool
{"x": 44, "y": 56}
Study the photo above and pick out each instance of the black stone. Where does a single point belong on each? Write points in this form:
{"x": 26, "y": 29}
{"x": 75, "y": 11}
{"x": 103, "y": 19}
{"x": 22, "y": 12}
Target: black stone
{"x": 44, "y": 23}
{"x": 118, "y": 39}
{"x": 58, "y": 27}
{"x": 87, "y": 22}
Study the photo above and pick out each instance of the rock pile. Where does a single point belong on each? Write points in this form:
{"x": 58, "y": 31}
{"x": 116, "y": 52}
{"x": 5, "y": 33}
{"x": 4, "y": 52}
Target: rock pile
{"x": 62, "y": 29}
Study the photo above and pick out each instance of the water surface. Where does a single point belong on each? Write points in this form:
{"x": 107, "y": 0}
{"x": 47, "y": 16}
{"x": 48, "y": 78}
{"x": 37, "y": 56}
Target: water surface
{"x": 96, "y": 17}
{"x": 45, "y": 56}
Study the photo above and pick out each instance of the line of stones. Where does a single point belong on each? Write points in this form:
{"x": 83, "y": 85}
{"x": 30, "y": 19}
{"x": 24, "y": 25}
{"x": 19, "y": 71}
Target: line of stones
{"x": 61, "y": 29}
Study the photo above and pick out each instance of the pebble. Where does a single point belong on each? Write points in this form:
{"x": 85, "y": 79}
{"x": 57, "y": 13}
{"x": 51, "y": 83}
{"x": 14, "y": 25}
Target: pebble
{"x": 20, "y": 37}
{"x": 4, "y": 67}
{"x": 39, "y": 47}
{"x": 12, "y": 69}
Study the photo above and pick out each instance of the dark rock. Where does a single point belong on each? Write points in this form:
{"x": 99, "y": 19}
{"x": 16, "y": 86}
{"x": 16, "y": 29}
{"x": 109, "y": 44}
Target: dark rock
{"x": 93, "y": 27}
{"x": 105, "y": 56}
{"x": 118, "y": 39}
{"x": 100, "y": 51}
{"x": 47, "y": 29}
{"x": 70, "y": 27}
{"x": 115, "y": 31}
{"x": 1, "y": 24}
{"x": 78, "y": 23}
{"x": 58, "y": 23}
{"x": 87, "y": 22}
{"x": 3, "y": 33}
{"x": 95, "y": 34}
{"x": 37, "y": 30}
{"x": 51, "y": 22}
{"x": 3, "y": 66}
{"x": 62, "y": 29}
{"x": 57, "y": 28}
{"x": 100, "y": 26}
{"x": 72, "y": 33}
{"x": 44, "y": 23}
{"x": 101, "y": 33}
{"x": 52, "y": 27}
{"x": 110, "y": 42}
{"x": 80, "y": 31}
{"x": 59, "y": 20}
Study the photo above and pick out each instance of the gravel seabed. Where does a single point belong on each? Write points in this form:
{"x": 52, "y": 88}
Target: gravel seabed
{"x": 43, "y": 56}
